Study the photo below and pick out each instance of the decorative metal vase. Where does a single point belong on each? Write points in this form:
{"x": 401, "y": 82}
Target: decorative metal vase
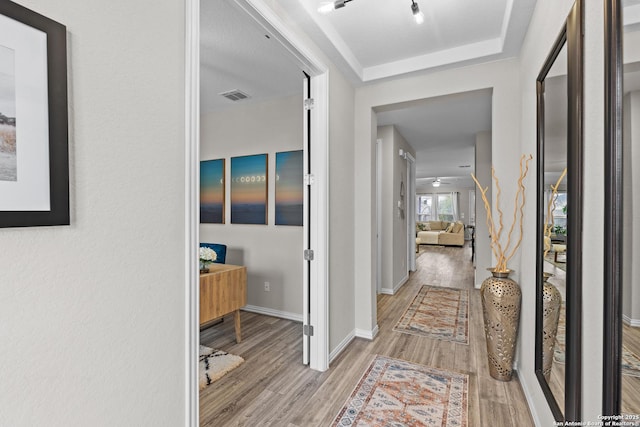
{"x": 501, "y": 298}
{"x": 551, "y": 300}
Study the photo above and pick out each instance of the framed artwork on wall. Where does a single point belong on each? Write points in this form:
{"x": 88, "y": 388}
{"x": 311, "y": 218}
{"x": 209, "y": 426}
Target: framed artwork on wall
{"x": 249, "y": 189}
{"x": 34, "y": 155}
{"x": 289, "y": 188}
{"x": 212, "y": 194}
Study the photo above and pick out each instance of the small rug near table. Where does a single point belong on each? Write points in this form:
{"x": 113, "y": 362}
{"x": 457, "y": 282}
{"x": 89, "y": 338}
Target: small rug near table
{"x": 630, "y": 364}
{"x": 214, "y": 364}
{"x": 436, "y": 312}
{"x": 394, "y": 392}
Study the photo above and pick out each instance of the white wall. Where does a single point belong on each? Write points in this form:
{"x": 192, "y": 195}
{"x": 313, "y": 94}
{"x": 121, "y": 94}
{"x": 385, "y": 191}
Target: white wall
{"x": 483, "y": 257}
{"x": 502, "y": 76}
{"x": 344, "y": 245}
{"x": 343, "y": 242}
{"x": 271, "y": 253}
{"x": 631, "y": 214}
{"x": 548, "y": 18}
{"x": 394, "y": 225}
{"x": 93, "y": 314}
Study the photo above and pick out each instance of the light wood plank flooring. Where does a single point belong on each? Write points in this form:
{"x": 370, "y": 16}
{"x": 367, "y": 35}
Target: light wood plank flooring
{"x": 273, "y": 388}
{"x": 630, "y": 384}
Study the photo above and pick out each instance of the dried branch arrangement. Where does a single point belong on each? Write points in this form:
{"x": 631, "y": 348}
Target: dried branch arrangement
{"x": 504, "y": 253}
{"x": 551, "y": 206}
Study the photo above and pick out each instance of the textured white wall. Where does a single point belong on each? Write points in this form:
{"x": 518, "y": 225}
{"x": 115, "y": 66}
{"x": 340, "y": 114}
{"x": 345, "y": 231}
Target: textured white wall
{"x": 344, "y": 244}
{"x": 388, "y": 209}
{"x": 394, "y": 228}
{"x": 271, "y": 253}
{"x": 400, "y": 236}
{"x": 93, "y": 315}
{"x": 482, "y": 258}
{"x": 502, "y": 76}
{"x": 548, "y": 18}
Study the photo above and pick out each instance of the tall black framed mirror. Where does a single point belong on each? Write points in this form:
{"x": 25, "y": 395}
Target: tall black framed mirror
{"x": 621, "y": 377}
{"x": 559, "y": 221}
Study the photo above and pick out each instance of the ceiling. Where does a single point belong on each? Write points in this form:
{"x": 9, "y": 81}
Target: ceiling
{"x": 378, "y": 39}
{"x": 235, "y": 53}
{"x": 370, "y": 41}
{"x": 443, "y": 132}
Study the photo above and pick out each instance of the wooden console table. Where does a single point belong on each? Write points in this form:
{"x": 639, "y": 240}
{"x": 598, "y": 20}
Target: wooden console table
{"x": 223, "y": 290}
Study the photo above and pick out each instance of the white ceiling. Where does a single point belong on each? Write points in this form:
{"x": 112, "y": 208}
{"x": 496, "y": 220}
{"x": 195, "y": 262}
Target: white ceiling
{"x": 443, "y": 131}
{"x": 377, "y": 39}
{"x": 371, "y": 40}
{"x": 236, "y": 54}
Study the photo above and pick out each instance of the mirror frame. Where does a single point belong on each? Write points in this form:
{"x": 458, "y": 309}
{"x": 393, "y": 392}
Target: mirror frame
{"x": 572, "y": 33}
{"x": 612, "y": 345}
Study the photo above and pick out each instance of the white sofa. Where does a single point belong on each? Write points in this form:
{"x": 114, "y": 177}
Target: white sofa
{"x": 439, "y": 233}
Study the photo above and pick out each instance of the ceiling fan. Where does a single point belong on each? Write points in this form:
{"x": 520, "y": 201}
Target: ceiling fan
{"x": 437, "y": 182}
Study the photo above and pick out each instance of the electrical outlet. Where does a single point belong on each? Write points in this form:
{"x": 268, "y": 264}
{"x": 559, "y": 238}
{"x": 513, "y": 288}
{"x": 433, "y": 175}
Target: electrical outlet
{"x": 267, "y": 287}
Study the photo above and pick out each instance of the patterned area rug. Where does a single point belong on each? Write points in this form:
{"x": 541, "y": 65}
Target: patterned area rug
{"x": 630, "y": 363}
{"x": 214, "y": 364}
{"x": 440, "y": 313}
{"x": 395, "y": 392}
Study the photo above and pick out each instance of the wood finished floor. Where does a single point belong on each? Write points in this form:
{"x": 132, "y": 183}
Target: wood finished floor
{"x": 630, "y": 384}
{"x": 273, "y": 388}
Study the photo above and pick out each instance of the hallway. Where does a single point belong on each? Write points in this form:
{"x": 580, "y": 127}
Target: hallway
{"x": 273, "y": 388}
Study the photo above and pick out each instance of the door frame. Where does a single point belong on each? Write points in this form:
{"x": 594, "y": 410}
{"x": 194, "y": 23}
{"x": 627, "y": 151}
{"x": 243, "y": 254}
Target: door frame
{"x": 319, "y": 200}
{"x": 378, "y": 215}
{"x": 410, "y": 211}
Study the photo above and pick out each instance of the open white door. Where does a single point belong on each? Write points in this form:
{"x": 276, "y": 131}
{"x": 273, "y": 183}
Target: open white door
{"x": 411, "y": 212}
{"x": 378, "y": 215}
{"x": 306, "y": 271}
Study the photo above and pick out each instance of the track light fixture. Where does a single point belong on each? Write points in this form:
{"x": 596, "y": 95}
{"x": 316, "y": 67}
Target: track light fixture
{"x": 417, "y": 15}
{"x": 337, "y": 4}
{"x": 331, "y": 6}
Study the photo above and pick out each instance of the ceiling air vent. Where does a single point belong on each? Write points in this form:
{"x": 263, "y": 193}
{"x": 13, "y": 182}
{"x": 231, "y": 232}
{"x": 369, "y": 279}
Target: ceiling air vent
{"x": 235, "y": 95}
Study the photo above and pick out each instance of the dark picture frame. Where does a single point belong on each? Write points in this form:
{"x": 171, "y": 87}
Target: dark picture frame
{"x": 573, "y": 35}
{"x": 52, "y": 189}
{"x": 212, "y": 191}
{"x": 249, "y": 189}
{"x": 289, "y": 191}
{"x": 613, "y": 214}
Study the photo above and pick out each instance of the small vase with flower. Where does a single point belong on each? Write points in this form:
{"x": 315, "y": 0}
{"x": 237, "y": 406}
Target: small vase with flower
{"x": 207, "y": 256}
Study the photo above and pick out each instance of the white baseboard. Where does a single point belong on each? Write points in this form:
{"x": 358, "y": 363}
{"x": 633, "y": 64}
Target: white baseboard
{"x": 631, "y": 322}
{"x": 395, "y": 289}
{"x": 342, "y": 346}
{"x": 527, "y": 395}
{"x": 366, "y": 334}
{"x": 475, "y": 280}
{"x": 271, "y": 312}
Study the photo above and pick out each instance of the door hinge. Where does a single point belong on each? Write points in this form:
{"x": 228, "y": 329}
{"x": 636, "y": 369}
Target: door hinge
{"x": 308, "y": 254}
{"x": 308, "y": 104}
{"x": 309, "y": 179}
{"x": 307, "y": 330}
